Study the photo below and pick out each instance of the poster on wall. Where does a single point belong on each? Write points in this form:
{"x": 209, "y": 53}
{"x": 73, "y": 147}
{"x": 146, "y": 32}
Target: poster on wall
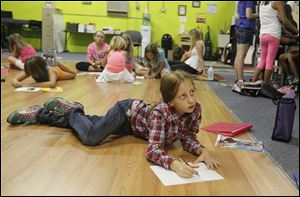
{"x": 201, "y": 18}
{"x": 211, "y": 8}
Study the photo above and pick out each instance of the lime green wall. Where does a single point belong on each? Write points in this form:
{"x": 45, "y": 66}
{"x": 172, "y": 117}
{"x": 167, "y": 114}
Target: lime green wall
{"x": 161, "y": 23}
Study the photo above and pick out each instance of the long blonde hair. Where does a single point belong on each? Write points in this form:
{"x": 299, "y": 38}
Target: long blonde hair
{"x": 196, "y": 35}
{"x": 117, "y": 43}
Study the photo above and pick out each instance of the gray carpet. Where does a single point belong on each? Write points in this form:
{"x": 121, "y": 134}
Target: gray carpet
{"x": 261, "y": 113}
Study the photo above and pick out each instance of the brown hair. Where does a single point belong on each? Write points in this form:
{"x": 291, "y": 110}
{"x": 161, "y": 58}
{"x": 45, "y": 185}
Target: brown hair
{"x": 128, "y": 40}
{"x": 17, "y": 40}
{"x": 152, "y": 48}
{"x": 35, "y": 66}
{"x": 170, "y": 83}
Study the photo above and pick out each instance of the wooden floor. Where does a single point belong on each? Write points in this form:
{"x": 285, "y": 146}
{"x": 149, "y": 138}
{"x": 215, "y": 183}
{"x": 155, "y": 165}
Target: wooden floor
{"x": 43, "y": 160}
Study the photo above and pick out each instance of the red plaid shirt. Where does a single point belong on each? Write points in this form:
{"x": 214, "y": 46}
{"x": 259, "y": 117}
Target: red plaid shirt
{"x": 164, "y": 126}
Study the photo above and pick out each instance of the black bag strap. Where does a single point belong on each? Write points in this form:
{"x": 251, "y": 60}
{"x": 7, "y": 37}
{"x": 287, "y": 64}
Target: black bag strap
{"x": 275, "y": 101}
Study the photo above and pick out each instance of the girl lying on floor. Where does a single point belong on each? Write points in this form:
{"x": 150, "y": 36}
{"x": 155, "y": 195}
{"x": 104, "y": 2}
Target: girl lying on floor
{"x": 45, "y": 75}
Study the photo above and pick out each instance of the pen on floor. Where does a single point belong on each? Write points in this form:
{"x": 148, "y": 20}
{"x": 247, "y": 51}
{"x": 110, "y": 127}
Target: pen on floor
{"x": 182, "y": 160}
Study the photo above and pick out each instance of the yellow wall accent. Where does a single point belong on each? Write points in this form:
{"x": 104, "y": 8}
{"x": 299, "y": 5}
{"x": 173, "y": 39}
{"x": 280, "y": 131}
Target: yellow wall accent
{"x": 161, "y": 23}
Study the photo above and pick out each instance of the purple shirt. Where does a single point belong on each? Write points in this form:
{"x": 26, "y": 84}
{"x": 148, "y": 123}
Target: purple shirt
{"x": 243, "y": 21}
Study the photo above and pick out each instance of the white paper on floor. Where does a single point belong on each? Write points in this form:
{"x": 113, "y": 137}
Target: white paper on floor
{"x": 169, "y": 177}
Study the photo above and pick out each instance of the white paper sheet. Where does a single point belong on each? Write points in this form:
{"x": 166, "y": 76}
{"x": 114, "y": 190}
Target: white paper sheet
{"x": 27, "y": 89}
{"x": 88, "y": 73}
{"x": 169, "y": 177}
{"x": 137, "y": 82}
{"x": 140, "y": 77}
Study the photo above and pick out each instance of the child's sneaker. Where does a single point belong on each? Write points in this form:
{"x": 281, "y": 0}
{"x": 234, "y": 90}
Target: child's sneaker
{"x": 240, "y": 84}
{"x": 236, "y": 88}
{"x": 24, "y": 116}
{"x": 257, "y": 84}
{"x": 60, "y": 105}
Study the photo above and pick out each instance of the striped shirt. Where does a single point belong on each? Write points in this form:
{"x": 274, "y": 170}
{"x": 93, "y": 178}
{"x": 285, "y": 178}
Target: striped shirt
{"x": 163, "y": 126}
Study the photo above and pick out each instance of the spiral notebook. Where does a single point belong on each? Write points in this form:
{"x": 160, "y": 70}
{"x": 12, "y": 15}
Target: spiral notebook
{"x": 228, "y": 129}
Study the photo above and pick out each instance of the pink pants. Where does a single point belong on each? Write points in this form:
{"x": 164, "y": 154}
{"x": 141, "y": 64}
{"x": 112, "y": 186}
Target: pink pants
{"x": 268, "y": 50}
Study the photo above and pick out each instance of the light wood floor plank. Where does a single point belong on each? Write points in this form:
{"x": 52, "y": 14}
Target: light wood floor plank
{"x": 43, "y": 160}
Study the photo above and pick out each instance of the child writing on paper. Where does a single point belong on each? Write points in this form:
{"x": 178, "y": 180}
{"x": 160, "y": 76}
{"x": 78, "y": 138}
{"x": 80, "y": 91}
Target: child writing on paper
{"x": 116, "y": 68}
{"x": 155, "y": 61}
{"x": 176, "y": 116}
{"x": 96, "y": 54}
{"x": 20, "y": 51}
{"x": 45, "y": 75}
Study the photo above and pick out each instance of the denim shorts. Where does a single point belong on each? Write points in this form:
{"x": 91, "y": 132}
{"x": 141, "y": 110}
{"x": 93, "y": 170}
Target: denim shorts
{"x": 244, "y": 36}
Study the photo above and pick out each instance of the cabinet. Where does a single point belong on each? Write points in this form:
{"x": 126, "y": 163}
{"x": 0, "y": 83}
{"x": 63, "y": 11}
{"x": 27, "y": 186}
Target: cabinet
{"x": 185, "y": 41}
{"x": 53, "y": 35}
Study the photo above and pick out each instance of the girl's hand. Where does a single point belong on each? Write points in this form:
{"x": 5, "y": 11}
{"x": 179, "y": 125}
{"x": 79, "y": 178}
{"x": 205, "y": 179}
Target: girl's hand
{"x": 16, "y": 84}
{"x": 98, "y": 62}
{"x": 151, "y": 77}
{"x": 204, "y": 74}
{"x": 208, "y": 159}
{"x": 141, "y": 71}
{"x": 182, "y": 169}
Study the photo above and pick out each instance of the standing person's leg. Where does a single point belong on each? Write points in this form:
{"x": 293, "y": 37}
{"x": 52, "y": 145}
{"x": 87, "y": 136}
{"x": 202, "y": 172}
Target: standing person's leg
{"x": 242, "y": 50}
{"x": 273, "y": 45}
{"x": 244, "y": 37}
{"x": 263, "y": 56}
{"x": 292, "y": 59}
{"x": 283, "y": 58}
{"x": 283, "y": 61}
{"x": 244, "y": 41}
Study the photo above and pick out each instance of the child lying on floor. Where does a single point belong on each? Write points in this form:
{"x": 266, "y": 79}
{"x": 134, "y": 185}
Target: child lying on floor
{"x": 45, "y": 75}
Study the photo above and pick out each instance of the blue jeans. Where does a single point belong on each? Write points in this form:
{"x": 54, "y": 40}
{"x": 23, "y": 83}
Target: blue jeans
{"x": 91, "y": 130}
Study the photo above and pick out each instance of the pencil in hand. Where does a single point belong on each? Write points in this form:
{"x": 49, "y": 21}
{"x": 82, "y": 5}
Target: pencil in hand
{"x": 182, "y": 160}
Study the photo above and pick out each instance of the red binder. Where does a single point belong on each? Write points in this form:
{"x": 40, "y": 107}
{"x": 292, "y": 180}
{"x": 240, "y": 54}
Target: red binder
{"x": 228, "y": 129}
